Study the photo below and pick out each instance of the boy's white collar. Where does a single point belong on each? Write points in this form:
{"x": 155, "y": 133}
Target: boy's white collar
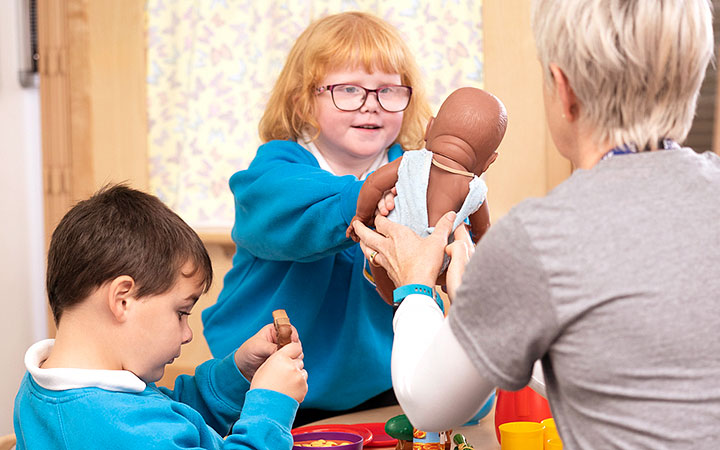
{"x": 67, "y": 378}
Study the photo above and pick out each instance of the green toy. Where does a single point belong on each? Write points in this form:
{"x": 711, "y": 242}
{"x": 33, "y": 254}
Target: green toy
{"x": 461, "y": 443}
{"x": 399, "y": 427}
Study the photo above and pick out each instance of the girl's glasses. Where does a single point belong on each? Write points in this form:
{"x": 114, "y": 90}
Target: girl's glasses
{"x": 351, "y": 97}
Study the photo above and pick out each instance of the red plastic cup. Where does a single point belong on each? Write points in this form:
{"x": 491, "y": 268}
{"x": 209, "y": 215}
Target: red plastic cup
{"x": 524, "y": 405}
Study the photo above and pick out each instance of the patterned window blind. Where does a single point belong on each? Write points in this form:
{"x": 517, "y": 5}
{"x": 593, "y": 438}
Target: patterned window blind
{"x": 212, "y": 64}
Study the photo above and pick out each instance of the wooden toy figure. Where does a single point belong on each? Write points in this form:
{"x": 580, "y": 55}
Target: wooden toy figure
{"x": 282, "y": 327}
{"x": 461, "y": 143}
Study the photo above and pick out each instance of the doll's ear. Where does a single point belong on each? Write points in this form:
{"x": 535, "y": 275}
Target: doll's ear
{"x": 427, "y": 128}
{"x": 489, "y": 161}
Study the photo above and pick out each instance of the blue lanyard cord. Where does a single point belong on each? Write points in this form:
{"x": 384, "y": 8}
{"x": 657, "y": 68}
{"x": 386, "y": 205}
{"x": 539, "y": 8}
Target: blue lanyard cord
{"x": 625, "y": 149}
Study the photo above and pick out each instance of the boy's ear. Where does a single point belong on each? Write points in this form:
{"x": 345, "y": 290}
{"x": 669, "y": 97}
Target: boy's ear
{"x": 119, "y": 296}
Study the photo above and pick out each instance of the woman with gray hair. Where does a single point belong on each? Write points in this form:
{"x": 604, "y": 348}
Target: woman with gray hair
{"x": 611, "y": 279}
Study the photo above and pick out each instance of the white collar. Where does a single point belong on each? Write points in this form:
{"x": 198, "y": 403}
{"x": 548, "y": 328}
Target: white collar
{"x": 60, "y": 379}
{"x": 310, "y": 146}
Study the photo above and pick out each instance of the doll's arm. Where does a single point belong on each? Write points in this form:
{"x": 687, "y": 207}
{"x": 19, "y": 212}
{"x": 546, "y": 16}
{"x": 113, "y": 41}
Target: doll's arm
{"x": 376, "y": 184}
{"x": 480, "y": 222}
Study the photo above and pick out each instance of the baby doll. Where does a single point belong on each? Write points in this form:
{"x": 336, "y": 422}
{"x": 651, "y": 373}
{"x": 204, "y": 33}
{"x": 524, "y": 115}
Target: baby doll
{"x": 461, "y": 143}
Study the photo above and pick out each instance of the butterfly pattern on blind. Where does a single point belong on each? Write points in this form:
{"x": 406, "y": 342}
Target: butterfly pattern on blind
{"x": 212, "y": 64}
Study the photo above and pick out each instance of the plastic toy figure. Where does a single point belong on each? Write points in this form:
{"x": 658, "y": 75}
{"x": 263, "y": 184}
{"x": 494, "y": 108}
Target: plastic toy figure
{"x": 461, "y": 443}
{"x": 410, "y": 438}
{"x": 461, "y": 143}
{"x": 428, "y": 440}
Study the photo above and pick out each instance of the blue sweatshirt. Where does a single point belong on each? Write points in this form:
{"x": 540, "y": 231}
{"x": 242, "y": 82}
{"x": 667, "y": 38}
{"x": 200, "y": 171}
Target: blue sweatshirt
{"x": 125, "y": 413}
{"x": 292, "y": 254}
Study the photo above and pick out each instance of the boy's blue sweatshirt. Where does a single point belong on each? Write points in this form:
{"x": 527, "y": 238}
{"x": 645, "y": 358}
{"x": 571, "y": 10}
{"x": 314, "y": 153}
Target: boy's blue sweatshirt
{"x": 292, "y": 254}
{"x": 194, "y": 415}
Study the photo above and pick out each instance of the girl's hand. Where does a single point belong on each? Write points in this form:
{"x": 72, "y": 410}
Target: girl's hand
{"x": 387, "y": 202}
{"x": 407, "y": 258}
{"x": 385, "y": 205}
{"x": 256, "y": 350}
{"x": 283, "y": 372}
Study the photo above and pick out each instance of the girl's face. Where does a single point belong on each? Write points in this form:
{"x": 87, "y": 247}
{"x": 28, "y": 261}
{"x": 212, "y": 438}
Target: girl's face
{"x": 351, "y": 140}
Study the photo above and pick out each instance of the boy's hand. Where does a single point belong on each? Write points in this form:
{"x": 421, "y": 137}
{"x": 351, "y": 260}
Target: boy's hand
{"x": 283, "y": 372}
{"x": 253, "y": 353}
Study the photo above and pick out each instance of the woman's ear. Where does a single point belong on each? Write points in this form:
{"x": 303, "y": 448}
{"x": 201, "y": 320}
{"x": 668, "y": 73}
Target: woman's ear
{"x": 570, "y": 105}
{"x": 120, "y": 295}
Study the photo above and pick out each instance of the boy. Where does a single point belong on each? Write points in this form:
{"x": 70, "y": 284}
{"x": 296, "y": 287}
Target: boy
{"x": 123, "y": 273}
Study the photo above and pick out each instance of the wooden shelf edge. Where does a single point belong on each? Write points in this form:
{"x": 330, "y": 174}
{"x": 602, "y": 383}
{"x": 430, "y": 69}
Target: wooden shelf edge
{"x": 217, "y": 236}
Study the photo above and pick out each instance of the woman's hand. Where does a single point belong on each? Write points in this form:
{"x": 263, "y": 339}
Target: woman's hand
{"x": 460, "y": 252}
{"x": 407, "y": 258}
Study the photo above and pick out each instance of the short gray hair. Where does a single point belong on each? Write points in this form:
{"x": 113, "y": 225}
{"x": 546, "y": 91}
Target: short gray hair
{"x": 635, "y": 65}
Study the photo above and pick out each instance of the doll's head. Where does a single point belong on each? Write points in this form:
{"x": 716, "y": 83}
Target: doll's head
{"x": 345, "y": 41}
{"x": 468, "y": 128}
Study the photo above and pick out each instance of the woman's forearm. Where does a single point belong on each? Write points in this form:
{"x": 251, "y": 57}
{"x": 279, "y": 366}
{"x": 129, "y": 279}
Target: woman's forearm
{"x": 435, "y": 382}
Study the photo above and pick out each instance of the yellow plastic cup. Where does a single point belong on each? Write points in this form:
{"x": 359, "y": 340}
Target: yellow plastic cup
{"x": 521, "y": 436}
{"x": 553, "y": 444}
{"x": 550, "y": 430}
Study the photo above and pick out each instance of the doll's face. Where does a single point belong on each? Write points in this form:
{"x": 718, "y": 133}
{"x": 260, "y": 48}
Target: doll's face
{"x": 351, "y": 140}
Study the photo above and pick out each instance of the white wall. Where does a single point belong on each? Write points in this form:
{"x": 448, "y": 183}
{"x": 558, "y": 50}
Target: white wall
{"x": 22, "y": 248}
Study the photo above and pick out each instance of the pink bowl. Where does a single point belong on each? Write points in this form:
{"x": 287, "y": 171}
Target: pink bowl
{"x": 356, "y": 441}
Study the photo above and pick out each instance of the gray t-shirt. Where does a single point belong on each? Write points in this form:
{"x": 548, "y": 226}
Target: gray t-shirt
{"x": 613, "y": 281}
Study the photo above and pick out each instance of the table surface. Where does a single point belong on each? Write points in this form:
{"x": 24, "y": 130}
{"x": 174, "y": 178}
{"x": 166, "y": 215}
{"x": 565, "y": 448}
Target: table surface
{"x": 480, "y": 436}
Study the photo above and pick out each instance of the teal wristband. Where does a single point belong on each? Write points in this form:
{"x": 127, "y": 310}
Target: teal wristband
{"x": 400, "y": 293}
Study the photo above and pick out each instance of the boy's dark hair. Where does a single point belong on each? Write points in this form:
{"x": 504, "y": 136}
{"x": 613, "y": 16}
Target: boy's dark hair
{"x": 120, "y": 231}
